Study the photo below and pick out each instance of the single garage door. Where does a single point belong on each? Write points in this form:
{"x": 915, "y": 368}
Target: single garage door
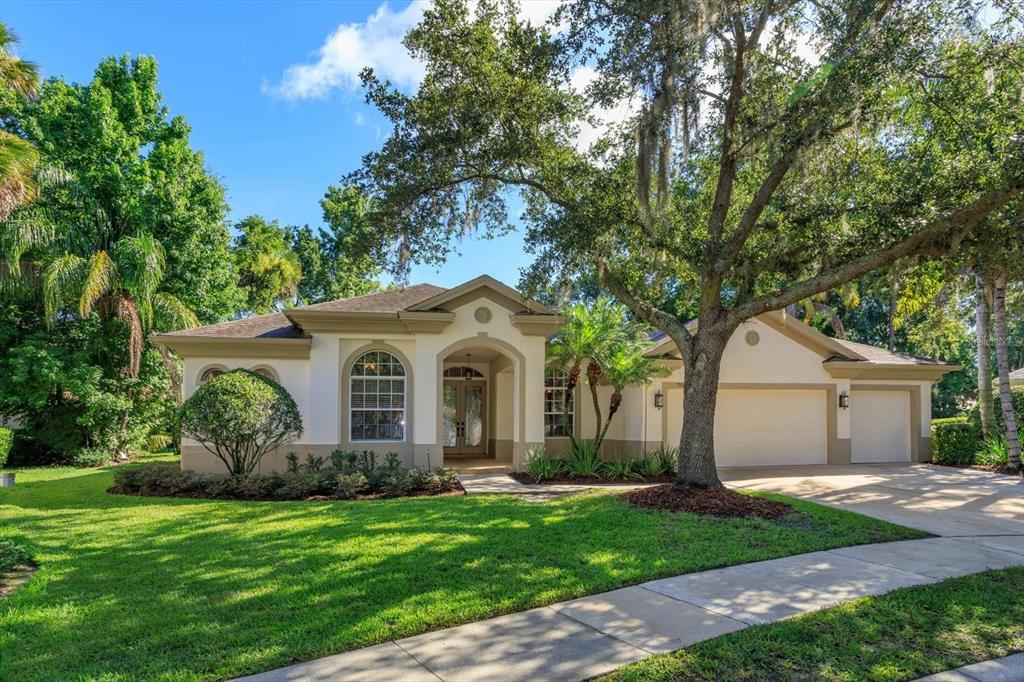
{"x": 755, "y": 427}
{"x": 880, "y": 426}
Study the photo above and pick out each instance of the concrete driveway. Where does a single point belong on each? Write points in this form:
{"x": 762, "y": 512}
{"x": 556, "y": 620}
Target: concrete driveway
{"x": 940, "y": 500}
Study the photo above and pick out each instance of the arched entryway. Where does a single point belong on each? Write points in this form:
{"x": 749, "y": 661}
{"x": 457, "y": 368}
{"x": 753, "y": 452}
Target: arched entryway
{"x": 479, "y": 410}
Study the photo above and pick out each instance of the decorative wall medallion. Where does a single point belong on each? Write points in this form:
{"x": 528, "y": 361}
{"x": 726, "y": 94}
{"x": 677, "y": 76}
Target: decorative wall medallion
{"x": 752, "y": 338}
{"x": 482, "y": 314}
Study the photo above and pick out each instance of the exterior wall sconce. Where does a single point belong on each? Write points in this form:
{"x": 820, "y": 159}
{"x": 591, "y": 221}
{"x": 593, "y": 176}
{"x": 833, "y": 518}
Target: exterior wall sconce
{"x": 659, "y": 399}
{"x": 844, "y": 400}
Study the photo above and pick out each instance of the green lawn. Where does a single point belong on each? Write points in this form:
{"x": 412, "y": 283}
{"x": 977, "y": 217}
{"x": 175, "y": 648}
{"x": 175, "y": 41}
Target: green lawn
{"x": 133, "y": 587}
{"x": 901, "y": 635}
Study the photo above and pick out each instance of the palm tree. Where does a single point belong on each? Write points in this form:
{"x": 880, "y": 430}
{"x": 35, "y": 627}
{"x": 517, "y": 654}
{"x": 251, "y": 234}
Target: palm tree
{"x": 18, "y": 158}
{"x": 1003, "y": 366}
{"x": 589, "y": 333}
{"x": 981, "y": 333}
{"x": 626, "y": 365}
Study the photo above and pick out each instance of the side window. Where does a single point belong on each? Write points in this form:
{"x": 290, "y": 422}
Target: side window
{"x": 555, "y": 386}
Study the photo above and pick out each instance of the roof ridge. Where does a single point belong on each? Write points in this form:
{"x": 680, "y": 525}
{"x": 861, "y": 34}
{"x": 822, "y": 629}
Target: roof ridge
{"x": 382, "y": 292}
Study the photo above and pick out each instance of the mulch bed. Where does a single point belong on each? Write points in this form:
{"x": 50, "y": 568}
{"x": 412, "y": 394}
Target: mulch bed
{"x": 456, "y": 489}
{"x": 588, "y": 480}
{"x": 991, "y": 468}
{"x": 723, "y": 503}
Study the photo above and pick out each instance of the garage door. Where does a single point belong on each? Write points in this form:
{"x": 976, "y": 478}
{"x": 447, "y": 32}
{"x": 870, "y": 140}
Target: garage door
{"x": 880, "y": 426}
{"x": 771, "y": 426}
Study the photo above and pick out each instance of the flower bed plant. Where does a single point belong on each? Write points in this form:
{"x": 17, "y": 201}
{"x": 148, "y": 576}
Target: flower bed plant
{"x": 342, "y": 476}
{"x": 583, "y": 465}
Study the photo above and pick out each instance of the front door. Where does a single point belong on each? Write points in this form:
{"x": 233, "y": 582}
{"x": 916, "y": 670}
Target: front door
{"x": 464, "y": 418}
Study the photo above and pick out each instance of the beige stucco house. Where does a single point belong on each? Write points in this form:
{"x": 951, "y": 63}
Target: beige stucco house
{"x": 440, "y": 374}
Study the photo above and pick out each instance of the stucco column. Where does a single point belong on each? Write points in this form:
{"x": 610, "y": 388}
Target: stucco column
{"x": 427, "y": 451}
{"x": 322, "y": 426}
{"x": 841, "y": 448}
{"x": 529, "y": 417}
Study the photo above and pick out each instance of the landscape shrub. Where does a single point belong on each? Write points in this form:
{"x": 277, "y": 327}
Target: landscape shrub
{"x": 955, "y": 440}
{"x": 624, "y": 468}
{"x": 350, "y": 485}
{"x": 90, "y": 457}
{"x": 241, "y": 416}
{"x": 12, "y": 556}
{"x": 584, "y": 460}
{"x": 6, "y": 443}
{"x": 1016, "y": 399}
{"x": 311, "y": 479}
{"x": 540, "y": 465}
{"x": 993, "y": 451}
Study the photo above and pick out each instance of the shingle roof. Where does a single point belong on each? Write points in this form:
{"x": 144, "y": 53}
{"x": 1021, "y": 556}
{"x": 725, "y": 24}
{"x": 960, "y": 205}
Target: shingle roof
{"x": 390, "y": 301}
{"x": 882, "y": 355}
{"x": 276, "y": 325}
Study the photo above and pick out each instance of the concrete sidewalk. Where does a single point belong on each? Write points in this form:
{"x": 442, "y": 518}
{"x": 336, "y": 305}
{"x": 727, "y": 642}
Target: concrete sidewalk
{"x": 1006, "y": 669}
{"x": 592, "y": 635}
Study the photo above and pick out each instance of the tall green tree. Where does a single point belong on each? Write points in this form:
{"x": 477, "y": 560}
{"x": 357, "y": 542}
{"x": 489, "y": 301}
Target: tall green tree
{"x": 134, "y": 173}
{"x": 747, "y": 174}
{"x": 269, "y": 271}
{"x": 335, "y": 261}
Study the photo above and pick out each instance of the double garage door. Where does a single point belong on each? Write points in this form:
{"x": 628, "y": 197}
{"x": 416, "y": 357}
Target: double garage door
{"x": 760, "y": 427}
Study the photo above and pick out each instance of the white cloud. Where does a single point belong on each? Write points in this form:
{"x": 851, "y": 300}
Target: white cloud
{"x": 377, "y": 43}
{"x": 605, "y": 117}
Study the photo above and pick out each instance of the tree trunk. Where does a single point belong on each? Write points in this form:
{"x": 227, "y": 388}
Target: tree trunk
{"x": 613, "y": 407}
{"x": 593, "y": 377}
{"x": 984, "y": 362}
{"x": 570, "y": 390}
{"x": 1003, "y": 367}
{"x": 700, "y": 393}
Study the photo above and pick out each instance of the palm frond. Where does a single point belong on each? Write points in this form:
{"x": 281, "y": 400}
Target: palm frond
{"x": 30, "y": 230}
{"x": 140, "y": 263}
{"x": 62, "y": 282}
{"x": 99, "y": 278}
{"x": 128, "y": 313}
{"x": 170, "y": 314}
{"x": 18, "y": 159}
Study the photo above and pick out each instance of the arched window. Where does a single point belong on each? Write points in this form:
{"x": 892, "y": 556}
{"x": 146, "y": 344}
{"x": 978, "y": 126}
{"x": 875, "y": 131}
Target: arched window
{"x": 265, "y": 372}
{"x": 556, "y": 383}
{"x": 462, "y": 372}
{"x": 377, "y": 398}
{"x": 210, "y": 373}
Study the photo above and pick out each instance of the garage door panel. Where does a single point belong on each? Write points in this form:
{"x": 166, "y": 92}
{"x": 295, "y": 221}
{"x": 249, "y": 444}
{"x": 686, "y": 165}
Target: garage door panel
{"x": 770, "y": 426}
{"x": 879, "y": 426}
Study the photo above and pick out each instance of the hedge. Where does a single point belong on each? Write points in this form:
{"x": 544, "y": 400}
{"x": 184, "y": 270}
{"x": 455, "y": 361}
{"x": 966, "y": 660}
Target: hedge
{"x": 1016, "y": 399}
{"x": 6, "y": 441}
{"x": 954, "y": 440}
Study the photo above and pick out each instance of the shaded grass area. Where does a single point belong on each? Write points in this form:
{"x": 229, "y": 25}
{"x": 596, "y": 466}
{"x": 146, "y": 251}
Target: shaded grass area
{"x": 159, "y": 588}
{"x": 902, "y": 635}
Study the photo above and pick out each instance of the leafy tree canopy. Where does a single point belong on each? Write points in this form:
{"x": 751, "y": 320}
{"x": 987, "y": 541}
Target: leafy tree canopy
{"x": 269, "y": 271}
{"x": 336, "y": 262}
{"x": 133, "y": 172}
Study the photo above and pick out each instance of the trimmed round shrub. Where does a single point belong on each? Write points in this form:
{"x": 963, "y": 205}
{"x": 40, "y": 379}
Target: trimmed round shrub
{"x": 6, "y": 442}
{"x": 954, "y": 440}
{"x": 241, "y": 416}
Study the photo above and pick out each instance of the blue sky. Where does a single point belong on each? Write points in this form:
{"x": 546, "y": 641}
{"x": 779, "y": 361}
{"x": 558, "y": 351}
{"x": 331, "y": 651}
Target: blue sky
{"x": 268, "y": 89}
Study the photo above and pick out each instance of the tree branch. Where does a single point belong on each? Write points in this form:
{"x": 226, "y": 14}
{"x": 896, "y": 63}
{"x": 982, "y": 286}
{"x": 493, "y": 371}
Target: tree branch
{"x": 650, "y": 314}
{"x": 950, "y": 227}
